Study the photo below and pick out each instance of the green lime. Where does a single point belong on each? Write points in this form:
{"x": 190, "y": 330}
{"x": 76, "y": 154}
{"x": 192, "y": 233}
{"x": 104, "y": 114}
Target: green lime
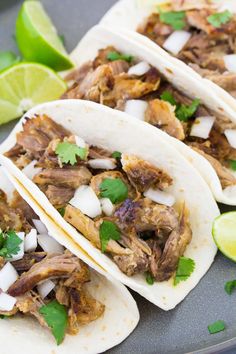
{"x": 24, "y": 85}
{"x": 224, "y": 233}
{"x": 37, "y": 37}
{"x": 8, "y": 59}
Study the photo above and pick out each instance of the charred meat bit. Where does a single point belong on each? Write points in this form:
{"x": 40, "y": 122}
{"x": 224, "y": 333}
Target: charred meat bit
{"x": 29, "y": 259}
{"x": 59, "y": 196}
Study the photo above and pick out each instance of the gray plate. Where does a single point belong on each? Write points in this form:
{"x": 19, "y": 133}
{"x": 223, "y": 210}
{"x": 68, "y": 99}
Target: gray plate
{"x": 184, "y": 329}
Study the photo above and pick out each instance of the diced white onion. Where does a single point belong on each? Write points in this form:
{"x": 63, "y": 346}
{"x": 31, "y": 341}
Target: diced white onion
{"x": 230, "y": 62}
{"x": 80, "y": 142}
{"x": 136, "y": 108}
{"x": 45, "y": 288}
{"x": 202, "y": 127}
{"x": 103, "y": 164}
{"x": 41, "y": 228}
{"x": 31, "y": 241}
{"x": 20, "y": 253}
{"x": 231, "y": 137}
{"x": 6, "y": 185}
{"x": 160, "y": 197}
{"x": 8, "y": 276}
{"x": 176, "y": 41}
{"x": 86, "y": 201}
{"x": 7, "y": 302}
{"x": 139, "y": 69}
{"x": 30, "y": 170}
{"x": 49, "y": 244}
{"x": 107, "y": 206}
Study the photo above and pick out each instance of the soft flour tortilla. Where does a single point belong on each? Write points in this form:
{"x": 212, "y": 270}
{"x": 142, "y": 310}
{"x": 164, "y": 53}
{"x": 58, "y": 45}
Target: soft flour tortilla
{"x": 130, "y": 14}
{"x": 192, "y": 85}
{"x": 114, "y": 130}
{"x": 25, "y": 335}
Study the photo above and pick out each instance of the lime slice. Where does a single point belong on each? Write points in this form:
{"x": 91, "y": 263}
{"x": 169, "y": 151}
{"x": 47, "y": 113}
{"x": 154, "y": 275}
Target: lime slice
{"x": 224, "y": 233}
{"x": 24, "y": 85}
{"x": 37, "y": 38}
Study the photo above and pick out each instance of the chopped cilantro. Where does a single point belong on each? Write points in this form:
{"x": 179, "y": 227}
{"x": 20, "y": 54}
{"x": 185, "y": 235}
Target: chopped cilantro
{"x": 114, "y": 189}
{"x": 168, "y": 97}
{"x": 230, "y": 286}
{"x": 62, "y": 211}
{"x": 112, "y": 56}
{"x": 9, "y": 242}
{"x": 184, "y": 112}
{"x": 185, "y": 268}
{"x": 149, "y": 278}
{"x": 232, "y": 164}
{"x": 68, "y": 152}
{"x": 216, "y": 327}
{"x": 116, "y": 155}
{"x": 219, "y": 18}
{"x": 108, "y": 231}
{"x": 176, "y": 19}
{"x": 8, "y": 59}
{"x": 56, "y": 317}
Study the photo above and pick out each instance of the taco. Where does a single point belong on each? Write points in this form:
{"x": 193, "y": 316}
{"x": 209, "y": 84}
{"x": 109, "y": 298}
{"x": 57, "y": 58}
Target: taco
{"x": 47, "y": 287}
{"x": 124, "y": 195}
{"x": 200, "y": 34}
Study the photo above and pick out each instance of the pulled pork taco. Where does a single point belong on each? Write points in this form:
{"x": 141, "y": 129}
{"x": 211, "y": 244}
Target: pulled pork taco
{"x": 126, "y": 75}
{"x": 200, "y": 34}
{"x": 121, "y": 191}
{"x": 46, "y": 287}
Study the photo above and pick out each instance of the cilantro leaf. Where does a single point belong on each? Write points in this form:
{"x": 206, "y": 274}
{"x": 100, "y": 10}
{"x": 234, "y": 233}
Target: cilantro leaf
{"x": 184, "y": 112}
{"x": 232, "y": 164}
{"x": 219, "y": 18}
{"x": 176, "y": 19}
{"x": 112, "y": 56}
{"x": 185, "y": 268}
{"x": 2, "y": 239}
{"x": 216, "y": 327}
{"x": 114, "y": 189}
{"x": 116, "y": 155}
{"x": 68, "y": 152}
{"x": 168, "y": 97}
{"x": 62, "y": 211}
{"x": 10, "y": 243}
{"x": 149, "y": 278}
{"x": 56, "y": 317}
{"x": 108, "y": 231}
{"x": 230, "y": 286}
{"x": 8, "y": 59}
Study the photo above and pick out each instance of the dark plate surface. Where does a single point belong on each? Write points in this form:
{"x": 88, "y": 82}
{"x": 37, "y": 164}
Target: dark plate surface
{"x": 184, "y": 329}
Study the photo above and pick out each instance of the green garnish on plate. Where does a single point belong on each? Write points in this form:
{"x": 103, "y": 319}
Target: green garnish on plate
{"x": 176, "y": 19}
{"x": 184, "y": 270}
{"x": 230, "y": 286}
{"x": 149, "y": 278}
{"x": 232, "y": 164}
{"x": 220, "y": 18}
{"x": 112, "y": 56}
{"x": 114, "y": 189}
{"x": 108, "y": 231}
{"x": 9, "y": 244}
{"x": 216, "y": 327}
{"x": 68, "y": 153}
{"x": 116, "y": 155}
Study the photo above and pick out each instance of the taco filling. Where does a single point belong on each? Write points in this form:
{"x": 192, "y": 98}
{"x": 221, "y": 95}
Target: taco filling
{"x": 120, "y": 81}
{"x": 122, "y": 204}
{"x": 38, "y": 277}
{"x": 200, "y": 35}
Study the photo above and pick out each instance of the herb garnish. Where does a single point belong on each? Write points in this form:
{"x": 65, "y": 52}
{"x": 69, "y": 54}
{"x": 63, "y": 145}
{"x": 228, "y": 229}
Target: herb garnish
{"x": 230, "y": 286}
{"x": 108, "y": 231}
{"x": 62, "y": 211}
{"x": 185, "y": 268}
{"x": 216, "y": 327}
{"x": 149, "y": 278}
{"x": 232, "y": 164}
{"x": 112, "y": 56}
{"x": 168, "y": 97}
{"x": 219, "y": 18}
{"x": 56, "y": 317}
{"x": 176, "y": 19}
{"x": 9, "y": 244}
{"x": 114, "y": 189}
{"x": 116, "y": 155}
{"x": 68, "y": 152}
{"x": 8, "y": 59}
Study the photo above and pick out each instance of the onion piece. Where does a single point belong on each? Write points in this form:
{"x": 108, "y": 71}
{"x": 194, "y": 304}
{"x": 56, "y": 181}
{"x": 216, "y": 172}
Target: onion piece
{"x": 30, "y": 170}
{"x": 80, "y": 142}
{"x": 40, "y": 227}
{"x": 139, "y": 69}
{"x": 136, "y": 108}
{"x": 7, "y": 302}
{"x": 160, "y": 197}
{"x": 176, "y": 41}
{"x": 107, "y": 206}
{"x": 230, "y": 62}
{"x": 202, "y": 127}
{"x": 103, "y": 164}
{"x": 49, "y": 244}
{"x": 31, "y": 241}
{"x": 8, "y": 276}
{"x": 231, "y": 137}
{"x": 45, "y": 288}
{"x": 86, "y": 201}
{"x": 20, "y": 253}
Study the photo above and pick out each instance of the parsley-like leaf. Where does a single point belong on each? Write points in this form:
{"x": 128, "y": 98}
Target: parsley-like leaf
{"x": 168, "y": 97}
{"x": 219, "y": 18}
{"x": 232, "y": 164}
{"x": 8, "y": 59}
{"x": 184, "y": 112}
{"x": 108, "y": 231}
{"x": 56, "y": 317}
{"x": 114, "y": 189}
{"x": 116, "y": 155}
{"x": 10, "y": 243}
{"x": 185, "y": 268}
{"x": 149, "y": 278}
{"x": 176, "y": 19}
{"x": 216, "y": 327}
{"x": 112, "y": 56}
{"x": 230, "y": 286}
{"x": 62, "y": 211}
{"x": 68, "y": 152}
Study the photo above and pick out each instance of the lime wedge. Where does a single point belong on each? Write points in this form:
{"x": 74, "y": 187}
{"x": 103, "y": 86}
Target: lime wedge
{"x": 224, "y": 233}
{"x": 37, "y": 37}
{"x": 24, "y": 85}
